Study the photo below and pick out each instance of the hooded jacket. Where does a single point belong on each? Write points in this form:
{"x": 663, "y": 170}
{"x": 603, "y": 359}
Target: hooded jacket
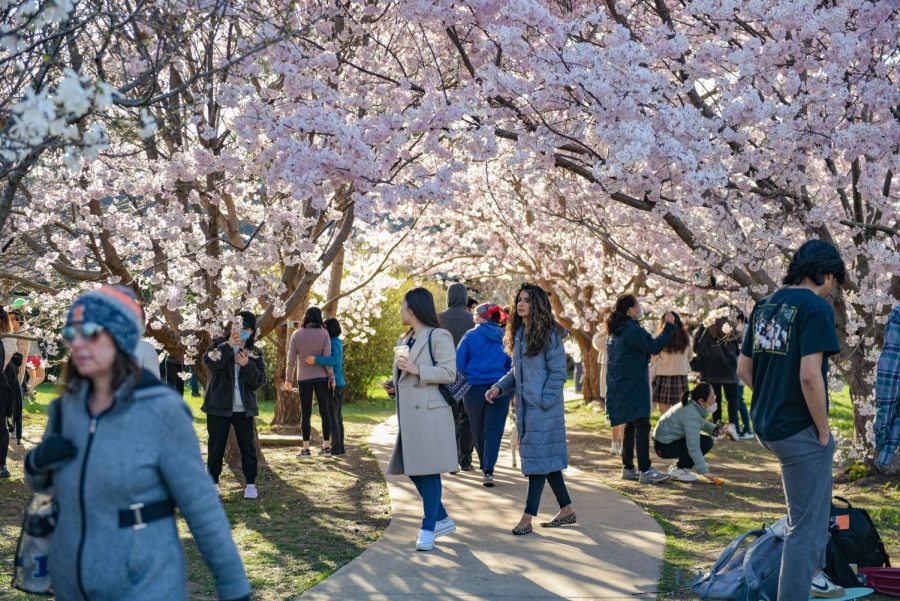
{"x": 456, "y": 319}
{"x": 219, "y": 398}
{"x": 142, "y": 450}
{"x": 718, "y": 358}
{"x": 480, "y": 355}
{"x": 628, "y": 375}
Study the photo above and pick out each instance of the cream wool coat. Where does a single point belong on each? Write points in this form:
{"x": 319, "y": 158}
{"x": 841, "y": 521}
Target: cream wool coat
{"x": 426, "y": 443}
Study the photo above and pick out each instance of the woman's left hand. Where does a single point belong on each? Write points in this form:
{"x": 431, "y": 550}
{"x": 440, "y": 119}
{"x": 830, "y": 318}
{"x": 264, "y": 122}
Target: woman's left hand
{"x": 404, "y": 364}
{"x": 310, "y": 360}
{"x": 242, "y": 357}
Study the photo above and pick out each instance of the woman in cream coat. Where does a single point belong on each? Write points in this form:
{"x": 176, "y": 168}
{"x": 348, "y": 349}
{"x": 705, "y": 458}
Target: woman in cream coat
{"x": 426, "y": 443}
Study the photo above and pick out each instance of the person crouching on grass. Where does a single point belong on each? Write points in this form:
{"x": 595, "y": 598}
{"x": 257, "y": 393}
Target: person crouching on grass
{"x": 679, "y": 434}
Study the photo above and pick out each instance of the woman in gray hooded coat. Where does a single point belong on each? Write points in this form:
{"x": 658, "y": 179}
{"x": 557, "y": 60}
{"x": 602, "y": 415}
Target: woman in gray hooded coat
{"x": 534, "y": 341}
{"x": 124, "y": 457}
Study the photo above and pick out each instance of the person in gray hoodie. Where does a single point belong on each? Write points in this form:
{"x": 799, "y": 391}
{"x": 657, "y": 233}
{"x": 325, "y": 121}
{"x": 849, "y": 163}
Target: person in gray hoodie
{"x": 458, "y": 320}
{"x": 126, "y": 455}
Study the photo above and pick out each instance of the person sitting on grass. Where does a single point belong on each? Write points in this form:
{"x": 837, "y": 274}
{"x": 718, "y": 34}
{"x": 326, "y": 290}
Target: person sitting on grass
{"x": 679, "y": 434}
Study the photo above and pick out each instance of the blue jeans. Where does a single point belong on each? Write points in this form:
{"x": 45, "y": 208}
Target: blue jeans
{"x": 488, "y": 422}
{"x": 742, "y": 409}
{"x": 429, "y": 488}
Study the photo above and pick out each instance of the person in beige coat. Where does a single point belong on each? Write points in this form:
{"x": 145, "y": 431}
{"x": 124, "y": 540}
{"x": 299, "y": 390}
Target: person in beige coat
{"x": 426, "y": 443}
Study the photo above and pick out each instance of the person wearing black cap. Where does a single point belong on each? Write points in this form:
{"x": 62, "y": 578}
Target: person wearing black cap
{"x": 784, "y": 359}
{"x": 236, "y": 371}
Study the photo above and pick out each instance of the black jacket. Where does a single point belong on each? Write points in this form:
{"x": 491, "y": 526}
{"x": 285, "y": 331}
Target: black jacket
{"x": 718, "y": 358}
{"x": 10, "y": 389}
{"x": 219, "y": 361}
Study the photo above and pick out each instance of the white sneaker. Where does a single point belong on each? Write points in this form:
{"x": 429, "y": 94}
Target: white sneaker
{"x": 425, "y": 540}
{"x": 250, "y": 492}
{"x": 731, "y": 431}
{"x": 681, "y": 474}
{"x": 444, "y": 527}
{"x": 823, "y": 588}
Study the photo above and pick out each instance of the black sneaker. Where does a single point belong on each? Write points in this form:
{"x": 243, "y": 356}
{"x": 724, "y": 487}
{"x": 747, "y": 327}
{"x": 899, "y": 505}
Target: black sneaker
{"x": 468, "y": 468}
{"x": 4, "y": 473}
{"x": 325, "y": 452}
{"x": 304, "y": 454}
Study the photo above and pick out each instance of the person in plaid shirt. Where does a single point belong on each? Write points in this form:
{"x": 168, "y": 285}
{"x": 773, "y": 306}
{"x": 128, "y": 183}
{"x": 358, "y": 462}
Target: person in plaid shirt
{"x": 887, "y": 393}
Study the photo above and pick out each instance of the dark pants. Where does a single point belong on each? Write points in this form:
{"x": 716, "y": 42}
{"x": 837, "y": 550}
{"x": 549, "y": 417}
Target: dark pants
{"x": 18, "y": 401}
{"x": 677, "y": 449}
{"x": 536, "y": 488}
{"x": 320, "y": 388}
{"x": 487, "y": 421}
{"x": 637, "y": 434}
{"x": 218, "y": 427}
{"x": 464, "y": 443}
{"x": 171, "y": 369}
{"x": 4, "y": 445}
{"x": 195, "y": 384}
{"x": 337, "y": 419}
{"x": 731, "y": 399}
{"x": 429, "y": 488}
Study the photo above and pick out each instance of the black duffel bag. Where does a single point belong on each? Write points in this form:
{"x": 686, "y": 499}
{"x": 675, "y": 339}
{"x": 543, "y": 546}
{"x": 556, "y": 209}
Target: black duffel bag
{"x": 860, "y": 544}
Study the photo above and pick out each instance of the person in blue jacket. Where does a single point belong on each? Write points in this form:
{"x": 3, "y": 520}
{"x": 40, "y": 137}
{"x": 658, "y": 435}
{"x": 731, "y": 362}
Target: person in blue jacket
{"x": 338, "y": 385}
{"x": 628, "y": 384}
{"x": 535, "y": 342}
{"x": 480, "y": 357}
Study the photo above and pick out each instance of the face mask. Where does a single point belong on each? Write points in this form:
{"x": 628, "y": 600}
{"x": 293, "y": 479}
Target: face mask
{"x": 245, "y": 336}
{"x": 712, "y": 408}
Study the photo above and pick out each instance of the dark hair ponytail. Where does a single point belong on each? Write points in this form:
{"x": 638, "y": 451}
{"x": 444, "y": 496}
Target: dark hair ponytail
{"x": 699, "y": 393}
{"x": 620, "y": 314}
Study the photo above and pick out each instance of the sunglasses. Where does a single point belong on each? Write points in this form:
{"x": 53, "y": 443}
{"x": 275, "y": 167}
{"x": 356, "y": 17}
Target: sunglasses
{"x": 87, "y": 330}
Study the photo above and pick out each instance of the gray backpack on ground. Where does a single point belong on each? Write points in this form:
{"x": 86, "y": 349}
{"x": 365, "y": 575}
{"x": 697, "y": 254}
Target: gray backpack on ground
{"x": 749, "y": 575}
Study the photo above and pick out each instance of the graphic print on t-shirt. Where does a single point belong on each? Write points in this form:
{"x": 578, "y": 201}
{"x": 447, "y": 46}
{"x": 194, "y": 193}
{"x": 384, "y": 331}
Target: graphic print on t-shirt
{"x": 772, "y": 328}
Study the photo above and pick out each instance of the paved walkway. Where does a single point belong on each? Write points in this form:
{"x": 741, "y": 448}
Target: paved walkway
{"x": 614, "y": 552}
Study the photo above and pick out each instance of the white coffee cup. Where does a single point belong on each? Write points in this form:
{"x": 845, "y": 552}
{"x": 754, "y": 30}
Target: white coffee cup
{"x": 401, "y": 351}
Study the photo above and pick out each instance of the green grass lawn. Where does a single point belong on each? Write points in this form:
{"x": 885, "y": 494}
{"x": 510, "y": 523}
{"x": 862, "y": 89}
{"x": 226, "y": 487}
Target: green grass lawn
{"x": 312, "y": 516}
{"x": 699, "y": 519}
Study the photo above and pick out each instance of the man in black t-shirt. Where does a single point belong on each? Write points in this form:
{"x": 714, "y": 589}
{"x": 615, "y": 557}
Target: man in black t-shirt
{"x": 784, "y": 359}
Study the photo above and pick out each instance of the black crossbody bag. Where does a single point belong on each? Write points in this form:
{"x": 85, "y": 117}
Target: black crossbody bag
{"x": 453, "y": 393}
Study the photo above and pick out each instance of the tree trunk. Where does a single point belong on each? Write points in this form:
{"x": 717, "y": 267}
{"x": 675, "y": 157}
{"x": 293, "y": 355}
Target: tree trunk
{"x": 590, "y": 385}
{"x": 334, "y": 285}
{"x": 287, "y": 404}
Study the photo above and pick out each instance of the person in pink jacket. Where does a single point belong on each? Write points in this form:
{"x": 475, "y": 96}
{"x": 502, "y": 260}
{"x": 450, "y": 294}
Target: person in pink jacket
{"x": 311, "y": 340}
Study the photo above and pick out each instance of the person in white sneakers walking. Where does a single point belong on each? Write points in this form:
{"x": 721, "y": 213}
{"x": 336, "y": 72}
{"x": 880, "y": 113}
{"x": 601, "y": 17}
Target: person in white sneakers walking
{"x": 680, "y": 434}
{"x": 426, "y": 442}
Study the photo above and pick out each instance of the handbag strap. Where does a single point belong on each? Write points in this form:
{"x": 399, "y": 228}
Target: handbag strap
{"x": 430, "y": 352}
